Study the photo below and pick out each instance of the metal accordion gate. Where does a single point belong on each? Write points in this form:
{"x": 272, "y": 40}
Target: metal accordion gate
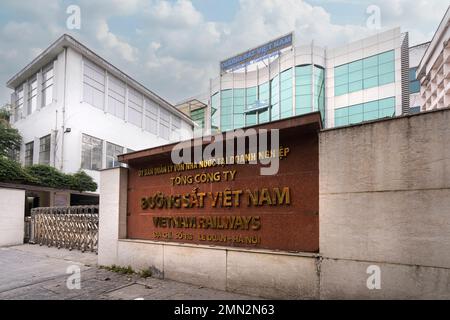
{"x": 65, "y": 227}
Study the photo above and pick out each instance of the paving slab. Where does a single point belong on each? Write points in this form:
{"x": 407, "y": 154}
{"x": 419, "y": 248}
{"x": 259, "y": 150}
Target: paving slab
{"x": 33, "y": 272}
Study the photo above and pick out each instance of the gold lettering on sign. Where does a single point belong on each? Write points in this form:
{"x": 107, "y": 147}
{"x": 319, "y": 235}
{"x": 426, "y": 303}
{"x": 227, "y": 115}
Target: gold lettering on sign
{"x": 209, "y": 222}
{"x": 220, "y": 199}
{"x": 281, "y": 153}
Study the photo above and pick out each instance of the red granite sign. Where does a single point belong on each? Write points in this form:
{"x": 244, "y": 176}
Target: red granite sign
{"x": 227, "y": 202}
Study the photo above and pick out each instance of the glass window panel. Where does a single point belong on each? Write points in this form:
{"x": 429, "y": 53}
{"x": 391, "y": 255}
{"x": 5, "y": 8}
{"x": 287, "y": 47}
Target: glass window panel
{"x": 355, "y": 66}
{"x": 370, "y": 83}
{"x": 341, "y": 121}
{"x": 238, "y": 92}
{"x": 286, "y": 76}
{"x": 372, "y": 115}
{"x": 370, "y": 72}
{"x": 239, "y": 101}
{"x": 264, "y": 116}
{"x": 250, "y": 119}
{"x": 356, "y": 109}
{"x": 112, "y": 152}
{"x": 29, "y": 150}
{"x": 47, "y": 85}
{"x": 371, "y": 106}
{"x": 238, "y": 121}
{"x": 412, "y": 74}
{"x": 355, "y": 76}
{"x": 370, "y": 62}
{"x": 116, "y": 97}
{"x": 300, "y": 111}
{"x": 387, "y": 103}
{"x": 355, "y": 118}
{"x": 303, "y": 70}
{"x": 93, "y": 84}
{"x": 164, "y": 124}
{"x": 341, "y": 70}
{"x": 386, "y": 68}
{"x": 386, "y": 57}
{"x": 303, "y": 101}
{"x": 44, "y": 150}
{"x": 286, "y": 108}
{"x": 341, "y": 112}
{"x": 414, "y": 86}
{"x": 388, "y": 112}
{"x": 340, "y": 90}
{"x": 386, "y": 78}
{"x": 91, "y": 153}
{"x": 355, "y": 86}
{"x": 226, "y": 94}
{"x": 286, "y": 94}
{"x": 341, "y": 80}
{"x": 303, "y": 90}
{"x": 227, "y": 119}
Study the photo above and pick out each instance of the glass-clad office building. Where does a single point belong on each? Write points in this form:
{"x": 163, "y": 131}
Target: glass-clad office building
{"x": 361, "y": 81}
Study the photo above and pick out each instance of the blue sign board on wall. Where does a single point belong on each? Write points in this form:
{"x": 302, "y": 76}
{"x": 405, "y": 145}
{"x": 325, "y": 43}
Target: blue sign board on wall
{"x": 254, "y": 54}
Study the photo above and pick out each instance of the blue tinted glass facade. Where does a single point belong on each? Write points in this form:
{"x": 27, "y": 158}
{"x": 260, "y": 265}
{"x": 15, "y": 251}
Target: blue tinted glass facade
{"x": 364, "y": 112}
{"x": 414, "y": 84}
{"x": 366, "y": 73}
{"x": 271, "y": 101}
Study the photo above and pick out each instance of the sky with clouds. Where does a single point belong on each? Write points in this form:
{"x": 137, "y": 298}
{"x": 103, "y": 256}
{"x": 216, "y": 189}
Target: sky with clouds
{"x": 174, "y": 47}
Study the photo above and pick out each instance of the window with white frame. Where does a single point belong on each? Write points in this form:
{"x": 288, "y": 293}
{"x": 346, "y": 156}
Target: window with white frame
{"x": 135, "y": 101}
{"x": 44, "y": 150}
{"x": 47, "y": 85}
{"x": 32, "y": 95}
{"x": 164, "y": 124}
{"x": 151, "y": 116}
{"x": 116, "y": 97}
{"x": 18, "y": 112}
{"x": 112, "y": 151}
{"x": 29, "y": 149}
{"x": 93, "y": 84}
{"x": 91, "y": 153}
{"x": 176, "y": 128}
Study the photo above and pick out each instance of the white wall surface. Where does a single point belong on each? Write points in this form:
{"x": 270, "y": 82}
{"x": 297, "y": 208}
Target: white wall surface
{"x": 12, "y": 215}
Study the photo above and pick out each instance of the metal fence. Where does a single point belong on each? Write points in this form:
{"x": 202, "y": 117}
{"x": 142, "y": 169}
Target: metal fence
{"x": 65, "y": 227}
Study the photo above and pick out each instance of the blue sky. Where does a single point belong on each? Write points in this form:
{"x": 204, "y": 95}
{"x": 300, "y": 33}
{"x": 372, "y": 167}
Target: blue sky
{"x": 174, "y": 47}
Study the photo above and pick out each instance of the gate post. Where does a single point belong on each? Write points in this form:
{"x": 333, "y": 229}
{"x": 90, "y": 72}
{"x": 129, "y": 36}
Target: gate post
{"x": 112, "y": 213}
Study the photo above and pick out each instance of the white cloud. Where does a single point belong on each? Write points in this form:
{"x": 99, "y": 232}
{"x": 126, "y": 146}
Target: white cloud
{"x": 173, "y": 49}
{"x": 111, "y": 41}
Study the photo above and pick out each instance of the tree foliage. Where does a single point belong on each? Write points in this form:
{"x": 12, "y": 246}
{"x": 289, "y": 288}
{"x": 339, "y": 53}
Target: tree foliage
{"x": 10, "y": 138}
{"x": 45, "y": 176}
{"x": 11, "y": 171}
{"x": 42, "y": 175}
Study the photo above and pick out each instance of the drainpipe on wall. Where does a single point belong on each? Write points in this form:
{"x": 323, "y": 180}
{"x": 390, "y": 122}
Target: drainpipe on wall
{"x": 63, "y": 111}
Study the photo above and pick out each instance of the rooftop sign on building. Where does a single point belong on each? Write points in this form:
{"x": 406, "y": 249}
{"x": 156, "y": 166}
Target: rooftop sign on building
{"x": 258, "y": 53}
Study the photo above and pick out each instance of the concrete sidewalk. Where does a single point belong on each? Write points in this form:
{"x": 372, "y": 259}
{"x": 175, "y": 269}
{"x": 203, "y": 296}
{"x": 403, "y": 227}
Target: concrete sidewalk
{"x": 34, "y": 272}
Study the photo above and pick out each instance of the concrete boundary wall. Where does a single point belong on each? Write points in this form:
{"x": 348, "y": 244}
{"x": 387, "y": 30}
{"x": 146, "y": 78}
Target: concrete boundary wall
{"x": 251, "y": 272}
{"x": 384, "y": 203}
{"x": 12, "y": 216}
{"x": 260, "y": 273}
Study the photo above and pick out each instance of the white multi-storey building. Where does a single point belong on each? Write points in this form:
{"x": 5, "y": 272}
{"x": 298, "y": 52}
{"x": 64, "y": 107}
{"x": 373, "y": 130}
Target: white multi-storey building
{"x": 415, "y": 55}
{"x": 434, "y": 69}
{"x": 361, "y": 81}
{"x": 76, "y": 111}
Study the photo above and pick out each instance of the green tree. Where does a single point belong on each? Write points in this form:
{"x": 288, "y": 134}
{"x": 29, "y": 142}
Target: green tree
{"x": 10, "y": 138}
{"x": 81, "y": 181}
